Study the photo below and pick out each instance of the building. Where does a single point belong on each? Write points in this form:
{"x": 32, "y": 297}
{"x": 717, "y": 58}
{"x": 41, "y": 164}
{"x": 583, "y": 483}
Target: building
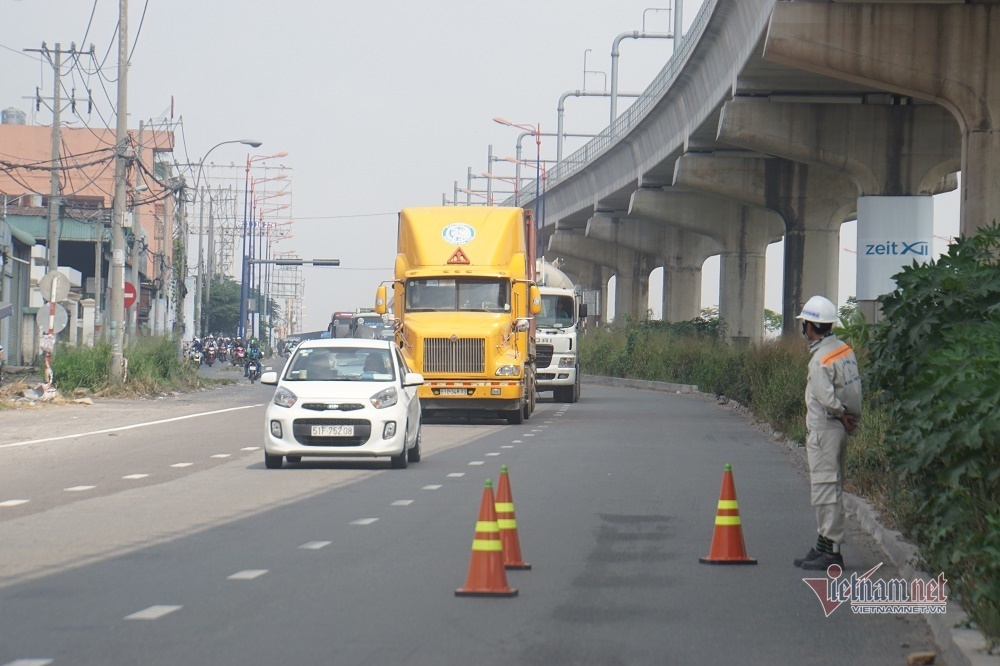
{"x": 87, "y": 170}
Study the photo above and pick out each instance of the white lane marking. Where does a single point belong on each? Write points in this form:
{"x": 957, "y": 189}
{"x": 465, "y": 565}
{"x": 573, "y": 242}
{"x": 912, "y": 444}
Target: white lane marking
{"x": 221, "y": 455}
{"x": 153, "y": 613}
{"x": 29, "y": 662}
{"x": 182, "y": 464}
{"x": 529, "y": 434}
{"x": 128, "y": 427}
{"x": 536, "y": 430}
{"x": 495, "y": 453}
{"x": 364, "y": 521}
{"x": 247, "y": 574}
{"x": 133, "y": 477}
{"x": 477, "y": 462}
{"x": 516, "y": 441}
{"x": 249, "y": 448}
{"x": 16, "y": 502}
{"x": 456, "y": 475}
{"x": 402, "y": 503}
{"x": 434, "y": 487}
{"x": 315, "y": 545}
{"x": 78, "y": 489}
{"x": 542, "y": 427}
{"x": 550, "y": 421}
{"x": 506, "y": 446}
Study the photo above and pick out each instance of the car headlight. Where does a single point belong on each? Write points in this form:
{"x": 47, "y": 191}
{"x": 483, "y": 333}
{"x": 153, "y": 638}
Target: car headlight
{"x": 567, "y": 362}
{"x": 284, "y": 398}
{"x": 386, "y": 398}
{"x": 509, "y": 371}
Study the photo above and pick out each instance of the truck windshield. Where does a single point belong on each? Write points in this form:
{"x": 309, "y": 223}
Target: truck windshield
{"x": 458, "y": 294}
{"x": 556, "y": 311}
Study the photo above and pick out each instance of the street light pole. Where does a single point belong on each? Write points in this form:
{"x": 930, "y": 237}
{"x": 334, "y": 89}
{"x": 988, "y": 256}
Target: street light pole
{"x": 199, "y": 276}
{"x": 241, "y": 330}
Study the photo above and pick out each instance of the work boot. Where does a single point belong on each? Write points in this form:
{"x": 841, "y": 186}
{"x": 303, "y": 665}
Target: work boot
{"x": 811, "y": 555}
{"x": 822, "y": 562}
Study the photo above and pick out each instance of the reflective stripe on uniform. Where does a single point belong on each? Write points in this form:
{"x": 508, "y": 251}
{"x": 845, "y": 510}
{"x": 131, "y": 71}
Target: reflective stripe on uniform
{"x": 491, "y": 545}
{"x": 835, "y": 354}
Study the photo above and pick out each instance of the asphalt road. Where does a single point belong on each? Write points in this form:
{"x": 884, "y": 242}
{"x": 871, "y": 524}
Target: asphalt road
{"x": 340, "y": 562}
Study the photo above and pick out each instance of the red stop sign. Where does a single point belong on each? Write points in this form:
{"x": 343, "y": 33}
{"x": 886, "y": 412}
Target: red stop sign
{"x": 130, "y": 294}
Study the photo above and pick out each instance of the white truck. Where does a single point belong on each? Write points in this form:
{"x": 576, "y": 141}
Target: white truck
{"x": 557, "y": 357}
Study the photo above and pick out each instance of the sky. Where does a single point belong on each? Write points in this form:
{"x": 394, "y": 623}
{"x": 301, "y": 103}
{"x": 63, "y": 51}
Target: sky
{"x": 378, "y": 105}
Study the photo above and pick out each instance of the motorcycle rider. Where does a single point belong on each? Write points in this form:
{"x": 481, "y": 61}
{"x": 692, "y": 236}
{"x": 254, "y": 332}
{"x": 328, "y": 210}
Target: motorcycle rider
{"x": 253, "y": 354}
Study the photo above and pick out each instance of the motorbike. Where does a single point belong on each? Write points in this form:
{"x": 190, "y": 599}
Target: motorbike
{"x": 239, "y": 356}
{"x": 210, "y": 355}
{"x": 253, "y": 370}
{"x": 194, "y": 356}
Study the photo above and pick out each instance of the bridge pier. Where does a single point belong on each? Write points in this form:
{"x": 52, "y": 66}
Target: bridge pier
{"x": 743, "y": 234}
{"x": 682, "y": 254}
{"x": 813, "y": 206}
{"x": 881, "y": 150}
{"x": 631, "y": 269}
{"x": 936, "y": 52}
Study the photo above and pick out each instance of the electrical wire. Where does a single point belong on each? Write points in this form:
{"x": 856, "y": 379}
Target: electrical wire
{"x": 138, "y": 31}
{"x": 3, "y": 46}
{"x": 344, "y": 217}
{"x": 89, "y": 23}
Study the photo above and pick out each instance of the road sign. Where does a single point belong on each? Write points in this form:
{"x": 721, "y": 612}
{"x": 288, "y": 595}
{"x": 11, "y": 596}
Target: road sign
{"x": 59, "y": 320}
{"x": 54, "y": 282}
{"x": 130, "y": 294}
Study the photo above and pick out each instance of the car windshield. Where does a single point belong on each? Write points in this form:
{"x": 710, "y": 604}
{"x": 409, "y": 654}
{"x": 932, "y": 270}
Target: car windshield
{"x": 340, "y": 364}
{"x": 462, "y": 294}
{"x": 556, "y": 311}
{"x": 367, "y": 326}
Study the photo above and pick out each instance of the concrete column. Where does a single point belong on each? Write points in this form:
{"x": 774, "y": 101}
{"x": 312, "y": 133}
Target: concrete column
{"x": 681, "y": 253}
{"x": 87, "y": 334}
{"x": 743, "y": 233}
{"x": 631, "y": 268}
{"x": 812, "y": 202}
{"x": 73, "y": 308}
{"x": 936, "y": 52}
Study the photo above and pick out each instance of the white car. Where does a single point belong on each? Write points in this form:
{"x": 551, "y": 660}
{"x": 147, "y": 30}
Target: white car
{"x": 343, "y": 397}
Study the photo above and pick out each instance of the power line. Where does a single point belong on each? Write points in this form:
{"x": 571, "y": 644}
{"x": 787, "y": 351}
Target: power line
{"x": 344, "y": 217}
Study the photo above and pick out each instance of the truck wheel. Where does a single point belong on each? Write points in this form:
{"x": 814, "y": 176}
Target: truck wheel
{"x": 515, "y": 416}
{"x": 562, "y": 394}
{"x": 576, "y": 387}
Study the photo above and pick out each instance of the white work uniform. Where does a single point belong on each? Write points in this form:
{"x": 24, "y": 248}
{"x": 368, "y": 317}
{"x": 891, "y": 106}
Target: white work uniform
{"x": 833, "y": 389}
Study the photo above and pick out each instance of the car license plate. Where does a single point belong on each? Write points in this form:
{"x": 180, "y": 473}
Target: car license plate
{"x": 332, "y": 431}
{"x": 453, "y": 391}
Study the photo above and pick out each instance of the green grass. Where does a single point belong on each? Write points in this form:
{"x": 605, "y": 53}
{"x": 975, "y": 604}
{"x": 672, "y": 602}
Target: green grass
{"x": 153, "y": 366}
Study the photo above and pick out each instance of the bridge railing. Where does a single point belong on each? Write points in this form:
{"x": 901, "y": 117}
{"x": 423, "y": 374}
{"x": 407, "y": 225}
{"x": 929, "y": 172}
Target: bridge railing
{"x": 632, "y": 115}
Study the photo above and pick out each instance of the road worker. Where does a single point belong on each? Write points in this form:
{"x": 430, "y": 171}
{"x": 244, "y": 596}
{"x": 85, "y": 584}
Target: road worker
{"x": 833, "y": 410}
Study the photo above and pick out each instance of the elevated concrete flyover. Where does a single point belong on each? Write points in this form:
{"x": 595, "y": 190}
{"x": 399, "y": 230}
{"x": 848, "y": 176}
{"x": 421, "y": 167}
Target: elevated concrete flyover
{"x": 768, "y": 112}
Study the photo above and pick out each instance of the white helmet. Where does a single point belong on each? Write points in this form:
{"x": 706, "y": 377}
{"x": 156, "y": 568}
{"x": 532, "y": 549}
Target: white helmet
{"x": 820, "y": 310}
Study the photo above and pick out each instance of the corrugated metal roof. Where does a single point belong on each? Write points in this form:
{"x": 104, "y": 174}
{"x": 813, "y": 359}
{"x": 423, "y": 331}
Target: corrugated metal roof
{"x": 69, "y": 229}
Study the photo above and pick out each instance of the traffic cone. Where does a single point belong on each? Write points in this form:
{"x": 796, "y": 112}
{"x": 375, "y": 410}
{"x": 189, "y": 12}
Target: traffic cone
{"x": 508, "y": 525}
{"x": 487, "y": 577}
{"x": 727, "y": 542}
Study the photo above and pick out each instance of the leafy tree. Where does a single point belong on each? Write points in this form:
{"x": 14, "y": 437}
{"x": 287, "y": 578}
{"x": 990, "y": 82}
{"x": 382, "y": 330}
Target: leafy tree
{"x": 772, "y": 321}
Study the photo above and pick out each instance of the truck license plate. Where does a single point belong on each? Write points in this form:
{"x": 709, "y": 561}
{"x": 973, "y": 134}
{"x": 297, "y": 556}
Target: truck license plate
{"x": 453, "y": 391}
{"x": 332, "y": 431}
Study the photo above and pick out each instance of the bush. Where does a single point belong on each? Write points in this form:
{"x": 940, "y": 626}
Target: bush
{"x": 153, "y": 365}
{"x": 936, "y": 362}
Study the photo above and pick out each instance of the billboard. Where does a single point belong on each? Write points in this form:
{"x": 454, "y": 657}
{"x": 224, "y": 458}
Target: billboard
{"x": 892, "y": 232}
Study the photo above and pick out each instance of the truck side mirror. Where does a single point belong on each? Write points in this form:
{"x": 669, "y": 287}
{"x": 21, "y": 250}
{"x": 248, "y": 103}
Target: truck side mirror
{"x": 534, "y": 300}
{"x": 380, "y": 300}
{"x": 583, "y": 310}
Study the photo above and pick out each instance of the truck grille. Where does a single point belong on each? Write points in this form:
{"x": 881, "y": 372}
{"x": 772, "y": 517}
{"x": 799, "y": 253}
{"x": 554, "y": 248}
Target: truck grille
{"x": 464, "y": 355}
{"x": 543, "y": 356}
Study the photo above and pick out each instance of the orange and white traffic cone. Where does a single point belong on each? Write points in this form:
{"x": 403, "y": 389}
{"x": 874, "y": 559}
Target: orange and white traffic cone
{"x": 487, "y": 577}
{"x": 727, "y": 542}
{"x": 508, "y": 524}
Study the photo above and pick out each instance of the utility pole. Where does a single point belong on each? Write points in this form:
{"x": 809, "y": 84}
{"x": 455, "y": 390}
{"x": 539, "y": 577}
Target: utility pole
{"x": 117, "y": 276}
{"x": 210, "y": 262}
{"x": 55, "y": 187}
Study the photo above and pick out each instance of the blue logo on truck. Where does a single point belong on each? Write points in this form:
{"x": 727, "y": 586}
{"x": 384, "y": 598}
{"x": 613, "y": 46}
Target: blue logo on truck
{"x": 458, "y": 233}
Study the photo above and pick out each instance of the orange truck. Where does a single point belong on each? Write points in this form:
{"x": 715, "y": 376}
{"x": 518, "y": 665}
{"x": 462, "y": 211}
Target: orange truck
{"x": 463, "y": 303}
